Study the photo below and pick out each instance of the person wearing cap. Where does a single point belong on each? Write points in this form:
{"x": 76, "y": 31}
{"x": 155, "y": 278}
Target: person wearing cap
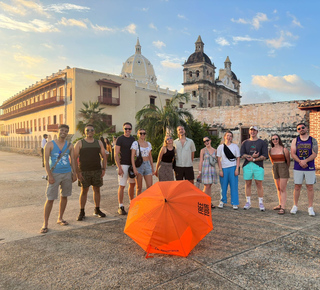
{"x": 304, "y": 149}
{"x": 254, "y": 151}
{"x": 123, "y": 161}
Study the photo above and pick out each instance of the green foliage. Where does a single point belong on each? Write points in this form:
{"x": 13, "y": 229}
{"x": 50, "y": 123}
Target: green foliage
{"x": 92, "y": 114}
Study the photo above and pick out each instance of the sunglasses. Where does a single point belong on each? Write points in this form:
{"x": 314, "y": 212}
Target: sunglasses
{"x": 90, "y": 130}
{"x": 142, "y": 133}
{"x": 127, "y": 129}
{"x": 273, "y": 139}
{"x": 301, "y": 128}
{"x": 169, "y": 138}
{"x": 205, "y": 141}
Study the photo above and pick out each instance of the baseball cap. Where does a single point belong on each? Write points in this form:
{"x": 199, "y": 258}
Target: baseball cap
{"x": 254, "y": 128}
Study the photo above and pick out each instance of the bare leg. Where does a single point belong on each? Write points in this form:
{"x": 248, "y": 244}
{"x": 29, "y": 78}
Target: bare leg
{"x": 296, "y": 193}
{"x": 148, "y": 179}
{"x": 259, "y": 188}
{"x": 62, "y": 207}
{"x": 277, "y": 183}
{"x": 96, "y": 196}
{"x": 248, "y": 188}
{"x": 283, "y": 191}
{"x": 207, "y": 189}
{"x": 120, "y": 194}
{"x": 310, "y": 194}
{"x": 47, "y": 210}
{"x": 83, "y": 197}
{"x": 139, "y": 184}
{"x": 131, "y": 191}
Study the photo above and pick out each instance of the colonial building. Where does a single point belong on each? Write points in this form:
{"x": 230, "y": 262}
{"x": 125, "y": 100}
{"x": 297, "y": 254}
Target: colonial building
{"x": 199, "y": 80}
{"x": 57, "y": 99}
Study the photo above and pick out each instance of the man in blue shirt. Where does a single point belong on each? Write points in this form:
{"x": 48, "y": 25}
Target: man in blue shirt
{"x": 61, "y": 176}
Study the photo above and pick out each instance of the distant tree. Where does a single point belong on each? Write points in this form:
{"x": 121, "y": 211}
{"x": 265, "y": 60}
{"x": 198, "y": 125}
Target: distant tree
{"x": 159, "y": 120}
{"x": 92, "y": 114}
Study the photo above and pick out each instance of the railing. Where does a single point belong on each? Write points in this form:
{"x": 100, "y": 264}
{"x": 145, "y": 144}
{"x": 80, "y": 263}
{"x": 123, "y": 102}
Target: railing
{"x": 53, "y": 128}
{"x": 109, "y": 101}
{"x": 22, "y": 131}
{"x": 4, "y": 133}
{"x": 47, "y": 103}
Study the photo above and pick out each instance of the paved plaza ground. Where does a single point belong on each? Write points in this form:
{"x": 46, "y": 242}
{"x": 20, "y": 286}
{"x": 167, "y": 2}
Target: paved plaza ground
{"x": 246, "y": 249}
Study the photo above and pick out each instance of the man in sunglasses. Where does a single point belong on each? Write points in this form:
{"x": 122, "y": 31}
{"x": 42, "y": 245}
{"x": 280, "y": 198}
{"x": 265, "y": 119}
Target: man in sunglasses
{"x": 304, "y": 149}
{"x": 254, "y": 151}
{"x": 185, "y": 149}
{"x": 90, "y": 171}
{"x": 123, "y": 162}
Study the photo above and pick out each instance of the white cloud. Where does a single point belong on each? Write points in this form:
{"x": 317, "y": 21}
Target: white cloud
{"x": 131, "y": 28}
{"x": 72, "y": 22}
{"x": 170, "y": 61}
{"x": 35, "y": 25}
{"x": 145, "y": 9}
{"x": 245, "y": 38}
{"x": 46, "y": 45}
{"x": 181, "y": 16}
{"x": 158, "y": 44}
{"x": 151, "y": 25}
{"x": 295, "y": 21}
{"x": 32, "y": 5}
{"x": 61, "y": 8}
{"x": 289, "y": 84}
{"x": 254, "y": 96}
{"x": 169, "y": 64}
{"x": 12, "y": 9}
{"x": 102, "y": 28}
{"x": 255, "y": 21}
{"x": 282, "y": 40}
{"x": 222, "y": 41}
{"x": 28, "y": 60}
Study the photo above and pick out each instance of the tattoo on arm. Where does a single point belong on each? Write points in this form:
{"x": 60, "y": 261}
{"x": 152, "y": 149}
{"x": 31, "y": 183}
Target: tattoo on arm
{"x": 315, "y": 145}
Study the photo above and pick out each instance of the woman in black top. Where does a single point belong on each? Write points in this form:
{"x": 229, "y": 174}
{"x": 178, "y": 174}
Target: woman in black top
{"x": 164, "y": 170}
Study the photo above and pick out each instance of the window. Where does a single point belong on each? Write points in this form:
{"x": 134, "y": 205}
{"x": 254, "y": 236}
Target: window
{"x": 197, "y": 73}
{"x": 35, "y": 124}
{"x": 44, "y": 123}
{"x": 49, "y": 120}
{"x": 54, "y": 93}
{"x": 209, "y": 96}
{"x": 70, "y": 94}
{"x": 107, "y": 93}
{"x": 194, "y": 93}
{"x": 228, "y": 103}
{"x": 48, "y": 94}
{"x": 213, "y": 132}
{"x": 31, "y": 125}
{"x": 39, "y": 124}
{"x": 152, "y": 100}
{"x": 54, "y": 119}
{"x": 193, "y": 106}
{"x": 190, "y": 74}
{"x": 61, "y": 92}
{"x": 61, "y": 119}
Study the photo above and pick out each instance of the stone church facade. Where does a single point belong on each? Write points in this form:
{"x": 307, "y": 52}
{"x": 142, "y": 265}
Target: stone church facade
{"x": 205, "y": 90}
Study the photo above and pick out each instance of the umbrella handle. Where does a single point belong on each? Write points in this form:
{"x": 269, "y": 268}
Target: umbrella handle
{"x": 148, "y": 250}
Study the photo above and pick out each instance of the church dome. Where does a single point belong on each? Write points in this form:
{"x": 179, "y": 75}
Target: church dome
{"x": 139, "y": 68}
{"x": 198, "y": 56}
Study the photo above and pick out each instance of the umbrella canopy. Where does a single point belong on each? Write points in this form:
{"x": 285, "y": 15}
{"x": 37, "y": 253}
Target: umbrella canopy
{"x": 170, "y": 217}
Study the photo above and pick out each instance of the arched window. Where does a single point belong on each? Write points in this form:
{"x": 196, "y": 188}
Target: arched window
{"x": 190, "y": 74}
{"x": 197, "y": 73}
{"x": 228, "y": 103}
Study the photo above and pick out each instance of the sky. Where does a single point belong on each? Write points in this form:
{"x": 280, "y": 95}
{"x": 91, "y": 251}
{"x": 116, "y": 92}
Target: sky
{"x": 273, "y": 45}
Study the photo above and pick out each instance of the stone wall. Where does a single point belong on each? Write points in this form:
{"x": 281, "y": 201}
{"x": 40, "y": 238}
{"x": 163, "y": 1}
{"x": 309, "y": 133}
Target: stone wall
{"x": 276, "y": 117}
{"x": 314, "y": 128}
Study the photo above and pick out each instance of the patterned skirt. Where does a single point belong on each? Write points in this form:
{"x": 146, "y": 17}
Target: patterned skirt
{"x": 165, "y": 171}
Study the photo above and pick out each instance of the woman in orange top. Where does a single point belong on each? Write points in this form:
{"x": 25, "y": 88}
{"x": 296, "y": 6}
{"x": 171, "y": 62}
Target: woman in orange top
{"x": 280, "y": 158}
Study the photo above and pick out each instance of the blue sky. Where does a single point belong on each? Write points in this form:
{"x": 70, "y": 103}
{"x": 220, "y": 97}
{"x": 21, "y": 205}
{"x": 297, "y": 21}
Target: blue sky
{"x": 273, "y": 45}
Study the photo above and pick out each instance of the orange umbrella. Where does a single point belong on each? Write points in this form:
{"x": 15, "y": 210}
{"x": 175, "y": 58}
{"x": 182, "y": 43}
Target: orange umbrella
{"x": 170, "y": 217}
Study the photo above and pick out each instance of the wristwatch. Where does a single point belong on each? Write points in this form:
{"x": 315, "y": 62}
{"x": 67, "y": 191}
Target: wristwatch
{"x": 253, "y": 159}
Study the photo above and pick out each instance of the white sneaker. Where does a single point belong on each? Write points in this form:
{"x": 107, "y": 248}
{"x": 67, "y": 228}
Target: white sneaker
{"x": 235, "y": 207}
{"x": 294, "y": 209}
{"x": 311, "y": 212}
{"x": 220, "y": 204}
{"x": 247, "y": 205}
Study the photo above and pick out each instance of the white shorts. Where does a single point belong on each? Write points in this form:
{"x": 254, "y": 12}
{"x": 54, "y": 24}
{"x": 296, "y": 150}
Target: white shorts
{"x": 123, "y": 180}
{"x": 298, "y": 175}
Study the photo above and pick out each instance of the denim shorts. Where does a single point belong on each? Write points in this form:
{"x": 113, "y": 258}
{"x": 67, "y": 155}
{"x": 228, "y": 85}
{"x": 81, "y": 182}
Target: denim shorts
{"x": 145, "y": 168}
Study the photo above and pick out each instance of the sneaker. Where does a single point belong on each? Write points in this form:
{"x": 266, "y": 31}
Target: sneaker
{"x": 294, "y": 209}
{"x": 261, "y": 206}
{"x": 235, "y": 207}
{"x": 311, "y": 211}
{"x": 121, "y": 211}
{"x": 81, "y": 216}
{"x": 247, "y": 205}
{"x": 99, "y": 213}
{"x": 220, "y": 204}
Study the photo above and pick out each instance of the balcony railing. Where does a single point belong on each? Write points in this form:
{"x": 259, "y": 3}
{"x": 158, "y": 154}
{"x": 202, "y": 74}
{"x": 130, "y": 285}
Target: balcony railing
{"x": 53, "y": 128}
{"x": 109, "y": 101}
{"x": 22, "y": 131}
{"x": 44, "y": 104}
{"x": 4, "y": 133}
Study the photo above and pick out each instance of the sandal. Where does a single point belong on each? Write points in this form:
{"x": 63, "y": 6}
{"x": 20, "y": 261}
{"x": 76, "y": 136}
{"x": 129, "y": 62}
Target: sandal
{"x": 277, "y": 207}
{"x": 43, "y": 230}
{"x": 212, "y": 206}
{"x": 281, "y": 211}
{"x": 62, "y": 223}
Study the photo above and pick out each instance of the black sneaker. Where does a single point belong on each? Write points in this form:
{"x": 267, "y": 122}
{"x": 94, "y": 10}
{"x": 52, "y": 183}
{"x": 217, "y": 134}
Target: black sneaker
{"x": 99, "y": 213}
{"x": 121, "y": 211}
{"x": 81, "y": 216}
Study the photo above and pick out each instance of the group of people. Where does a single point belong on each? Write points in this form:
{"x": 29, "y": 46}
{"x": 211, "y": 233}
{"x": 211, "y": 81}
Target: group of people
{"x": 87, "y": 161}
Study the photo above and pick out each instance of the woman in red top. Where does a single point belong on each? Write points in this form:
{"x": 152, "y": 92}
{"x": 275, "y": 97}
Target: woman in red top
{"x": 280, "y": 158}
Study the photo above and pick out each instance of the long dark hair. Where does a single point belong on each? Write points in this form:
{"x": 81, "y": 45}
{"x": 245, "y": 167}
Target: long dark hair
{"x": 280, "y": 142}
{"x": 103, "y": 142}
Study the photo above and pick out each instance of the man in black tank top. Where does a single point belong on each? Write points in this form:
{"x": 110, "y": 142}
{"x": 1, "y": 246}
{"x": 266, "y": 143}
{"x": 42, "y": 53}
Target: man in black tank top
{"x": 90, "y": 171}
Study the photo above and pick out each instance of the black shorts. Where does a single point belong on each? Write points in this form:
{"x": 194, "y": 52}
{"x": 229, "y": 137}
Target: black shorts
{"x": 184, "y": 173}
{"x": 91, "y": 178}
